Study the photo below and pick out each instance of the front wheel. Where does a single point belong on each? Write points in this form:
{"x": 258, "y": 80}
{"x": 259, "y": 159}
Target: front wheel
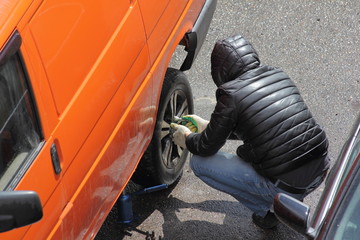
{"x": 163, "y": 161}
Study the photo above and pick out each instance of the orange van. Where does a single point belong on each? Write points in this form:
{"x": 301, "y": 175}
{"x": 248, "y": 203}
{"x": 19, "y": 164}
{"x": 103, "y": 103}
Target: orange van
{"x": 86, "y": 99}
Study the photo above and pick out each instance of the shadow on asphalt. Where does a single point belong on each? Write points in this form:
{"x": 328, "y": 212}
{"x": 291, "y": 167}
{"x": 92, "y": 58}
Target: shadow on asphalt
{"x": 236, "y": 222}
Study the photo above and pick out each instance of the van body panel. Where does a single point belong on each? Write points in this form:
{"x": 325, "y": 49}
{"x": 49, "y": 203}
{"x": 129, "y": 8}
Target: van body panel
{"x": 95, "y": 71}
{"x": 77, "y": 41}
{"x": 41, "y": 88}
{"x": 95, "y": 188}
{"x": 98, "y": 88}
{"x": 11, "y": 11}
{"x": 151, "y": 12}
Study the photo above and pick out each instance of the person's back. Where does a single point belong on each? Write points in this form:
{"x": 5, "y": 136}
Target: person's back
{"x": 267, "y": 112}
{"x": 284, "y": 149}
{"x": 278, "y": 130}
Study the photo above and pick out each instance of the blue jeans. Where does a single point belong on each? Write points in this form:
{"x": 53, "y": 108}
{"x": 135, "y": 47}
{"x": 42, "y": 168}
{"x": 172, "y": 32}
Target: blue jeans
{"x": 230, "y": 174}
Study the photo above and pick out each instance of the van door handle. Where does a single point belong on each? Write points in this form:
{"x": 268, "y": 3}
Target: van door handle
{"x": 55, "y": 159}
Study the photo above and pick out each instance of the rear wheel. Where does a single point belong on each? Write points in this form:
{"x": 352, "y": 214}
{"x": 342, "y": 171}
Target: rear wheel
{"x": 163, "y": 161}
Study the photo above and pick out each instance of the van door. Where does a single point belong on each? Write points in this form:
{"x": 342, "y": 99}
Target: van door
{"x": 25, "y": 146}
{"x": 92, "y": 48}
{"x": 78, "y": 42}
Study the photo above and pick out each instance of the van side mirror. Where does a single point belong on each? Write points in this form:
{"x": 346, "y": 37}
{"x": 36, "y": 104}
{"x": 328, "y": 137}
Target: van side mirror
{"x": 18, "y": 209}
{"x": 292, "y": 212}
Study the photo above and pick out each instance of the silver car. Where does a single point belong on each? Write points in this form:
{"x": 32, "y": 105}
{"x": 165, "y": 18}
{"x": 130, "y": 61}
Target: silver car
{"x": 337, "y": 215}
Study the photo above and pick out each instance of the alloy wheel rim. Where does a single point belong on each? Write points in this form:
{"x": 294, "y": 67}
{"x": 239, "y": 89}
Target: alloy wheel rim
{"x": 176, "y": 106}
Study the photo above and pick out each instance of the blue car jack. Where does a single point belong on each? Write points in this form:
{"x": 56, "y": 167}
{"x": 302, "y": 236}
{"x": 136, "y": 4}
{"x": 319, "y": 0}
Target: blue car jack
{"x": 124, "y": 203}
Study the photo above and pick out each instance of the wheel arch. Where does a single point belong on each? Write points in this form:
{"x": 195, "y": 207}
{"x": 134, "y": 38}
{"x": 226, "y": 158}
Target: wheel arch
{"x": 190, "y": 32}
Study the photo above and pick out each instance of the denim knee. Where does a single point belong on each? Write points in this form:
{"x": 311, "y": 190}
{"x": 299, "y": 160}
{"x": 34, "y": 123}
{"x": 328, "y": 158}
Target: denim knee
{"x": 194, "y": 163}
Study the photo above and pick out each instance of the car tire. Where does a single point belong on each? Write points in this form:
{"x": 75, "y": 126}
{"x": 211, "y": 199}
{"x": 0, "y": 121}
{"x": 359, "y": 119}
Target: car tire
{"x": 163, "y": 161}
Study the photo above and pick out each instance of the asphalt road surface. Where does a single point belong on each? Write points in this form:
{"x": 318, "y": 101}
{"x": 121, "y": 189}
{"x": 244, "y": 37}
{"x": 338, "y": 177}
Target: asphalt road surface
{"x": 318, "y": 44}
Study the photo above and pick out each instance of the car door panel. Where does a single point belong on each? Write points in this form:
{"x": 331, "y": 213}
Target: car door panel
{"x": 99, "y": 86}
{"x": 70, "y": 47}
{"x": 36, "y": 168}
{"x": 40, "y": 87}
{"x": 52, "y": 211}
{"x": 116, "y": 158}
{"x": 96, "y": 69}
{"x": 96, "y": 141}
{"x": 78, "y": 119}
{"x": 40, "y": 172}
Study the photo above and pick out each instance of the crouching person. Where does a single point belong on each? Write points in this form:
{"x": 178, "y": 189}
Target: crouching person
{"x": 284, "y": 149}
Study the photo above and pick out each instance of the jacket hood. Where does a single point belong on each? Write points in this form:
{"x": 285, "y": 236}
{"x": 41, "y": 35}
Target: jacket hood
{"x": 231, "y": 58}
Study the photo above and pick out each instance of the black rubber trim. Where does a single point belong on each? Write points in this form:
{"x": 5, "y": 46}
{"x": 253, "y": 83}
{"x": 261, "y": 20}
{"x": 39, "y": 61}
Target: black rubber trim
{"x": 11, "y": 47}
{"x": 195, "y": 39}
{"x": 191, "y": 44}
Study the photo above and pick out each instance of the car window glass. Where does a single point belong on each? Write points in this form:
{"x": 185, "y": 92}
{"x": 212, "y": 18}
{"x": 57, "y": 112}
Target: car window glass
{"x": 354, "y": 152}
{"x": 19, "y": 134}
{"x": 347, "y": 223}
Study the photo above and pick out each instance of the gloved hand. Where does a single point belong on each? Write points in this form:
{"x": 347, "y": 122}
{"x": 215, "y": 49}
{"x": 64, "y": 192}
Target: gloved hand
{"x": 201, "y": 123}
{"x": 179, "y": 136}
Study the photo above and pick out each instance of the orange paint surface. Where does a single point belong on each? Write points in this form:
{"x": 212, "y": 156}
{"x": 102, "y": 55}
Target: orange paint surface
{"x": 96, "y": 70}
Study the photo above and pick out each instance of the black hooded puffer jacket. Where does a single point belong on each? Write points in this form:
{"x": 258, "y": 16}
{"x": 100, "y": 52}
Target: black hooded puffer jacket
{"x": 262, "y": 106}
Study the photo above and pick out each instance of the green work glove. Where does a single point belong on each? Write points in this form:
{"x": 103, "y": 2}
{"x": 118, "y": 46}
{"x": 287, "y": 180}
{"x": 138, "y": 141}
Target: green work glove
{"x": 195, "y": 123}
{"x": 188, "y": 122}
{"x": 180, "y": 134}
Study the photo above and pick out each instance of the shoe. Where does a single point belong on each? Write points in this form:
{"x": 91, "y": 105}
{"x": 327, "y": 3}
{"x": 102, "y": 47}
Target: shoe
{"x": 268, "y": 222}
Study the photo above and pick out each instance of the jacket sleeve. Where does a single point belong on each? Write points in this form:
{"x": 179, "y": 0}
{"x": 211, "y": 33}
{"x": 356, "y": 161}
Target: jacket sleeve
{"x": 219, "y": 129}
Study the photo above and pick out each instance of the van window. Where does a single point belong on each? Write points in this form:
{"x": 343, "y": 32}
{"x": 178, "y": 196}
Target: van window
{"x": 19, "y": 132}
